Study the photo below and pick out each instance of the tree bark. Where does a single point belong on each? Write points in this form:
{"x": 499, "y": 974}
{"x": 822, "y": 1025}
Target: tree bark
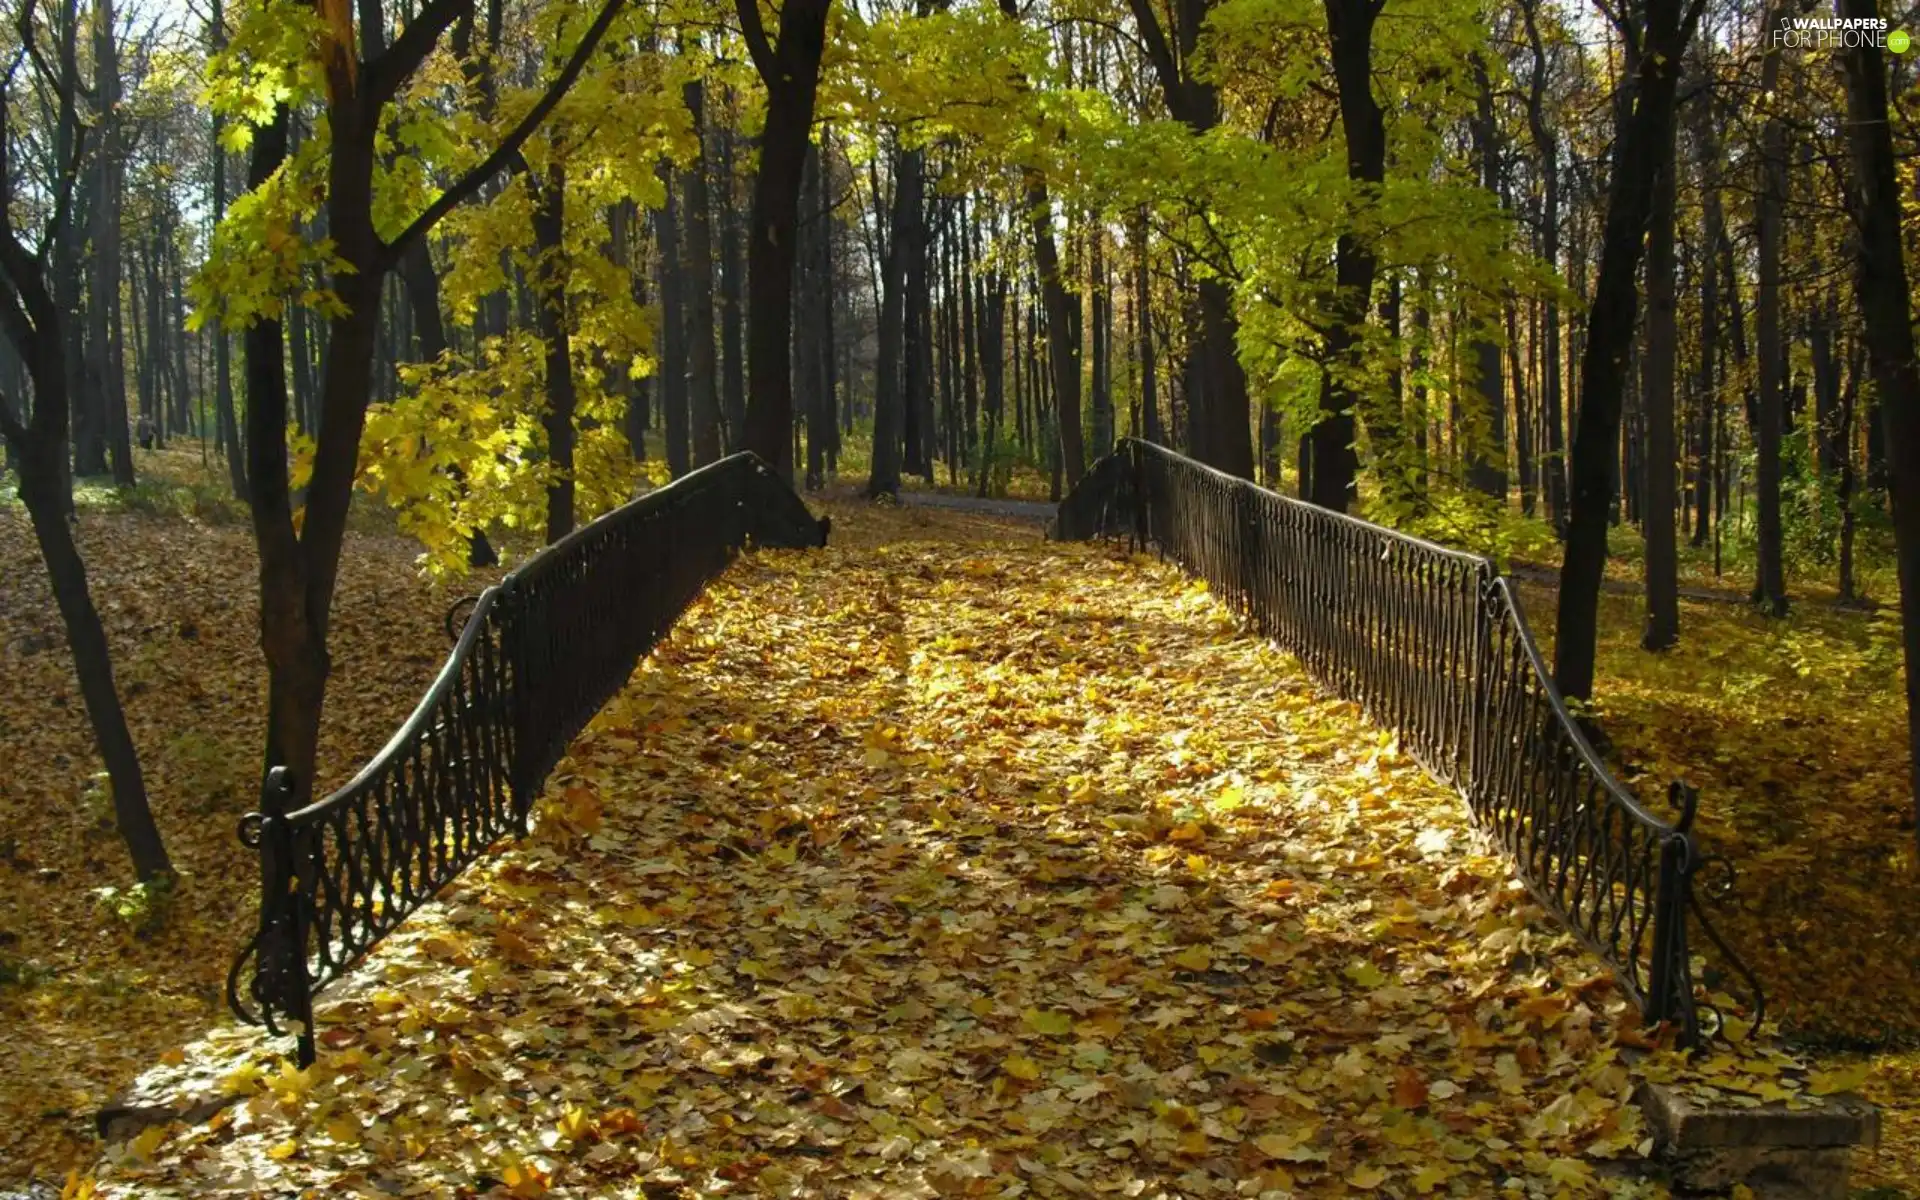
{"x": 889, "y": 399}
{"x": 1881, "y": 286}
{"x": 1645, "y": 136}
{"x": 549, "y": 238}
{"x": 1770, "y": 584}
{"x": 703, "y": 369}
{"x": 1335, "y": 465}
{"x": 1657, "y": 372}
{"x": 1546, "y": 146}
{"x": 790, "y": 70}
{"x": 673, "y": 332}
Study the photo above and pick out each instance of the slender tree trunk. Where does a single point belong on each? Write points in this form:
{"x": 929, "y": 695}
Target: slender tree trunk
{"x": 790, "y": 70}
{"x": 673, "y": 333}
{"x": 733, "y": 365}
{"x": 1644, "y": 138}
{"x": 1662, "y": 565}
{"x": 703, "y": 370}
{"x": 889, "y": 400}
{"x": 1770, "y": 584}
{"x": 1487, "y": 461}
{"x": 1553, "y": 464}
{"x": 549, "y": 238}
{"x": 1887, "y": 310}
{"x": 1143, "y": 331}
{"x": 107, "y": 359}
{"x": 1335, "y": 465}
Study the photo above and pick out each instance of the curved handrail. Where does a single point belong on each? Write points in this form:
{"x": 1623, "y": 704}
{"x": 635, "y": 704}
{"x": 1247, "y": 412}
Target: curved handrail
{"x": 422, "y": 713}
{"x": 1503, "y": 588}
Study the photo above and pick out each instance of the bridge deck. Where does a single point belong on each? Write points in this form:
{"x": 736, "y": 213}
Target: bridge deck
{"x": 950, "y": 862}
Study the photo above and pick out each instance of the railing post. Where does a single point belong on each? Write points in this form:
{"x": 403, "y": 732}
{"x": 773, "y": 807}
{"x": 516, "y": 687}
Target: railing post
{"x": 1670, "y": 975}
{"x": 281, "y": 975}
{"x": 1480, "y": 664}
{"x": 513, "y": 649}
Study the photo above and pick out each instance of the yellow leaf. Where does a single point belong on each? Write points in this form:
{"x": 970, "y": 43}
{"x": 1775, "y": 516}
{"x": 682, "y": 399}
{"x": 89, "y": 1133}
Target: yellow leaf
{"x": 284, "y": 1150}
{"x": 1021, "y": 1067}
{"x": 1194, "y": 958}
{"x": 524, "y": 1180}
{"x": 148, "y": 1140}
{"x": 575, "y": 1124}
{"x": 1840, "y": 1079}
{"x": 79, "y": 1187}
{"x": 1365, "y": 974}
{"x": 1366, "y": 1177}
{"x": 1050, "y": 1023}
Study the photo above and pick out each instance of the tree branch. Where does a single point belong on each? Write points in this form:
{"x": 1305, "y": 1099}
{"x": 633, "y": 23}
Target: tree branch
{"x": 509, "y": 147}
{"x": 386, "y": 72}
{"x": 755, "y": 33}
{"x": 1160, "y": 53}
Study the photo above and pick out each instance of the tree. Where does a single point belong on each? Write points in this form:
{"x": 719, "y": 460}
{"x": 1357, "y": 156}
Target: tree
{"x": 1657, "y": 375}
{"x": 37, "y": 441}
{"x": 1219, "y": 418}
{"x": 1335, "y": 465}
{"x": 1881, "y": 286}
{"x": 299, "y": 563}
{"x": 789, "y": 68}
{"x": 1656, "y": 33}
{"x": 1770, "y": 584}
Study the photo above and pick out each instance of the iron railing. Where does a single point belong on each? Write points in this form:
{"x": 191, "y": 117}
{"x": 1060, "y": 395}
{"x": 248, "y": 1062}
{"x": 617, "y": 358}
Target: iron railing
{"x": 536, "y": 658}
{"x": 1432, "y": 643}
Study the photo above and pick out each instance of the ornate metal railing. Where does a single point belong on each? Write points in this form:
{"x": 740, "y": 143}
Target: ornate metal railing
{"x": 536, "y": 658}
{"x": 1432, "y": 643}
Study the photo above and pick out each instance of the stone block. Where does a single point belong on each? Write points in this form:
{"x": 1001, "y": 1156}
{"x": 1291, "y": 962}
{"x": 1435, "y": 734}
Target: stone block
{"x": 1780, "y": 1153}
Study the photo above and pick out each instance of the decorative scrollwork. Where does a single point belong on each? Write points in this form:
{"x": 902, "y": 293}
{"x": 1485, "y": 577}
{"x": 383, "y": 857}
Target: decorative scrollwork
{"x": 250, "y": 828}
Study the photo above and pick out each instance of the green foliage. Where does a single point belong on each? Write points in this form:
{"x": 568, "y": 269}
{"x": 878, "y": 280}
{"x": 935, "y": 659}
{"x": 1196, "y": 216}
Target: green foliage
{"x": 141, "y": 908}
{"x": 1464, "y": 519}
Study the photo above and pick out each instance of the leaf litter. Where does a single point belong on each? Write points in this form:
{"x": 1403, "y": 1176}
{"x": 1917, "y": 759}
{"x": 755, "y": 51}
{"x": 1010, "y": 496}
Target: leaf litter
{"x": 946, "y": 862}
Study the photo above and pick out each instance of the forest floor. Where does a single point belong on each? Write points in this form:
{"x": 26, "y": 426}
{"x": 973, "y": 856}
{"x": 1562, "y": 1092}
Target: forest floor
{"x": 938, "y": 859}
{"x": 1791, "y": 729}
{"x": 89, "y": 998}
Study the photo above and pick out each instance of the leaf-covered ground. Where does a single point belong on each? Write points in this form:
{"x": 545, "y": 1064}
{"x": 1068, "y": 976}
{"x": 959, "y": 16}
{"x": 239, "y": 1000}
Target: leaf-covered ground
{"x": 85, "y": 1001}
{"x": 946, "y": 862}
{"x": 1794, "y": 732}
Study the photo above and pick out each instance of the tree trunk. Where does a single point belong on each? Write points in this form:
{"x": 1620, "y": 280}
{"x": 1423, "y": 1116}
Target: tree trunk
{"x": 733, "y": 366}
{"x": 1662, "y": 565}
{"x": 703, "y": 370}
{"x": 107, "y": 357}
{"x": 1350, "y": 26}
{"x": 1704, "y": 472}
{"x": 1645, "y": 137}
{"x": 889, "y": 400}
{"x": 790, "y": 70}
{"x": 1770, "y": 585}
{"x": 549, "y": 238}
{"x": 1546, "y": 145}
{"x": 1487, "y": 458}
{"x": 1143, "y": 331}
{"x": 673, "y": 332}
{"x": 1886, "y": 306}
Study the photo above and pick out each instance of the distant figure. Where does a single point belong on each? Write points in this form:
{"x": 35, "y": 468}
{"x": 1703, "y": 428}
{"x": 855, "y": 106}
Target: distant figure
{"x": 143, "y": 430}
